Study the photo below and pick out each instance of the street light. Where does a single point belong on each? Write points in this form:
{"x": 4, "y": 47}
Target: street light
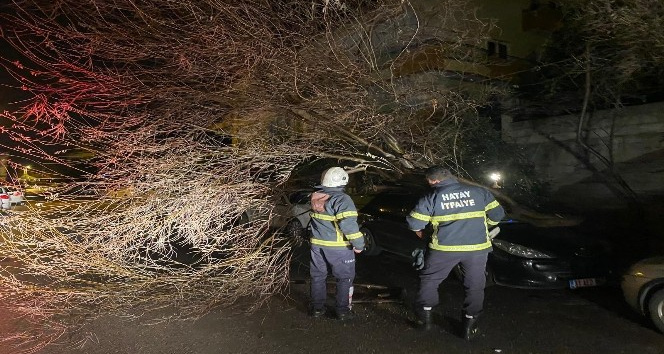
{"x": 496, "y": 178}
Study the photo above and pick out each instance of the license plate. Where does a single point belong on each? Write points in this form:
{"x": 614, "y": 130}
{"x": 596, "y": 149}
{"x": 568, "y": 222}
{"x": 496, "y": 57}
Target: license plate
{"x": 582, "y": 283}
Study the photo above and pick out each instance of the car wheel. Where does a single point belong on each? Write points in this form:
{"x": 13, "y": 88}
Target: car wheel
{"x": 370, "y": 246}
{"x": 296, "y": 232}
{"x": 656, "y": 309}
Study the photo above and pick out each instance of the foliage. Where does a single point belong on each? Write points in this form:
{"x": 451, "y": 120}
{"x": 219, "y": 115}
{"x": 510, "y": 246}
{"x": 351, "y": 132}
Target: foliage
{"x": 606, "y": 55}
{"x": 623, "y": 43}
{"x": 484, "y": 152}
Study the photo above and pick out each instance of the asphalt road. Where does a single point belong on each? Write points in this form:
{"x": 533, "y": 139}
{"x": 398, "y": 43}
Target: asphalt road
{"x": 590, "y": 320}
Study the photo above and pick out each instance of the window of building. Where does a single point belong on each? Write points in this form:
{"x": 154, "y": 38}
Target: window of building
{"x": 496, "y": 49}
{"x": 538, "y": 4}
{"x": 502, "y": 51}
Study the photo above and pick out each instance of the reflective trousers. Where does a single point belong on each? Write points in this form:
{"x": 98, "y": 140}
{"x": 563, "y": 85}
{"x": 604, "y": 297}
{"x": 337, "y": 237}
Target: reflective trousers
{"x": 438, "y": 265}
{"x": 341, "y": 262}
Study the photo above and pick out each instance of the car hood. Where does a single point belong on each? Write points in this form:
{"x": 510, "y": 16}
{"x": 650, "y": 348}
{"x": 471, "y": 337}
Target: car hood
{"x": 554, "y": 241}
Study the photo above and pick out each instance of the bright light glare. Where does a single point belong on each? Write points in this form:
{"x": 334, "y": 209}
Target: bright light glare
{"x": 495, "y": 176}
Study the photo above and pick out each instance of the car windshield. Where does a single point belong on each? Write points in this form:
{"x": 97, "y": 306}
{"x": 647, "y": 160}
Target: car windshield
{"x": 395, "y": 205}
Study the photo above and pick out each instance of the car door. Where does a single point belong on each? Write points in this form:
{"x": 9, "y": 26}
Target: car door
{"x": 389, "y": 224}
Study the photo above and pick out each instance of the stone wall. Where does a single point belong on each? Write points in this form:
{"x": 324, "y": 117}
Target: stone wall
{"x": 632, "y": 138}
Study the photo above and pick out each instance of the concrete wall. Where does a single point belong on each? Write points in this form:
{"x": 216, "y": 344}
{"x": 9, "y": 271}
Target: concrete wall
{"x": 631, "y": 137}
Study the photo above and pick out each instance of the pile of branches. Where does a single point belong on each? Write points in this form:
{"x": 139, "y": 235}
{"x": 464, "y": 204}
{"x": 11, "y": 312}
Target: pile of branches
{"x": 195, "y": 114}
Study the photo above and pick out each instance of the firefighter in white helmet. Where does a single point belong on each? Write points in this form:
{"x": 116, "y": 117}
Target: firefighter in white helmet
{"x": 335, "y": 240}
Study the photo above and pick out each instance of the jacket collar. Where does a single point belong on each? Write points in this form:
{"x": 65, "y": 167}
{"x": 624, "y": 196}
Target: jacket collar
{"x": 331, "y": 189}
{"x": 446, "y": 182}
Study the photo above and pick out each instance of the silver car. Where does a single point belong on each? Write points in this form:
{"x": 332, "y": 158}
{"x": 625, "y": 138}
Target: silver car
{"x": 643, "y": 289}
{"x": 290, "y": 214}
{"x": 294, "y": 214}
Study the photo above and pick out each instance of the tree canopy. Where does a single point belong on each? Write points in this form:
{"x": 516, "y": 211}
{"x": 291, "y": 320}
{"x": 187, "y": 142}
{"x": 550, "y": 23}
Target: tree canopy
{"x": 196, "y": 113}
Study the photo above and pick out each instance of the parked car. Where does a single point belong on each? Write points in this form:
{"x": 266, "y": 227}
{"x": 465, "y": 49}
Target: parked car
{"x": 10, "y": 196}
{"x": 523, "y": 256}
{"x": 290, "y": 214}
{"x": 643, "y": 288}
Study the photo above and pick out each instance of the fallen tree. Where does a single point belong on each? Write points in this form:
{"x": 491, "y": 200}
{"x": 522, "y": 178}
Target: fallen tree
{"x": 193, "y": 115}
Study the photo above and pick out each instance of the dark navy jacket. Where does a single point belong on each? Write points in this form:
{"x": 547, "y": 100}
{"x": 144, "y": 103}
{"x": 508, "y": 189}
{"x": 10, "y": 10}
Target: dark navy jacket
{"x": 336, "y": 226}
{"x": 460, "y": 215}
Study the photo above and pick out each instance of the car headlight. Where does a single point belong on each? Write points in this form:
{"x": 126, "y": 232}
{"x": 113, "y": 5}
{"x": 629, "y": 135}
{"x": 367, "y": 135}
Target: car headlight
{"x": 518, "y": 250}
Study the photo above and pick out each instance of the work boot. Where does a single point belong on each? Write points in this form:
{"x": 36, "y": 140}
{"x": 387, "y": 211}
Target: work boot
{"x": 424, "y": 320}
{"x": 470, "y": 329}
{"x": 315, "y": 313}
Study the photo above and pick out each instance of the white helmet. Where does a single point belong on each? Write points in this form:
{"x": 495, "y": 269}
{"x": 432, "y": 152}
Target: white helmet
{"x": 334, "y": 177}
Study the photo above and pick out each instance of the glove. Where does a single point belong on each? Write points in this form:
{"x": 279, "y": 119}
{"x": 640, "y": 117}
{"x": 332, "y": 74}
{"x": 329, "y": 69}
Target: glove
{"x": 418, "y": 258}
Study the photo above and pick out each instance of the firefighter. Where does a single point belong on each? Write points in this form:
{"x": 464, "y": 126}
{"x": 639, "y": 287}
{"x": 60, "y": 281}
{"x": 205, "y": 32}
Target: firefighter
{"x": 335, "y": 239}
{"x": 460, "y": 216}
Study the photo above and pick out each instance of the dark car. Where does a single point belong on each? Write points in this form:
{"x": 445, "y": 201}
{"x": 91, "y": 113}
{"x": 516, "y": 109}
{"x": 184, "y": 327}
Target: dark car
{"x": 523, "y": 256}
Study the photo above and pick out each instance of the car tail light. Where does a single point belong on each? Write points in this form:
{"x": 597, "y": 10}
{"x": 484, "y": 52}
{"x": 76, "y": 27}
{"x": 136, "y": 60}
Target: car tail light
{"x": 4, "y": 196}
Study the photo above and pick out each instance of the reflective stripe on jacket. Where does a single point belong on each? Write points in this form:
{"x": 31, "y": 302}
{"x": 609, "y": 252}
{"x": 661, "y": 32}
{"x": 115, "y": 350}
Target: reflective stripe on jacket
{"x": 460, "y": 215}
{"x": 337, "y": 226}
